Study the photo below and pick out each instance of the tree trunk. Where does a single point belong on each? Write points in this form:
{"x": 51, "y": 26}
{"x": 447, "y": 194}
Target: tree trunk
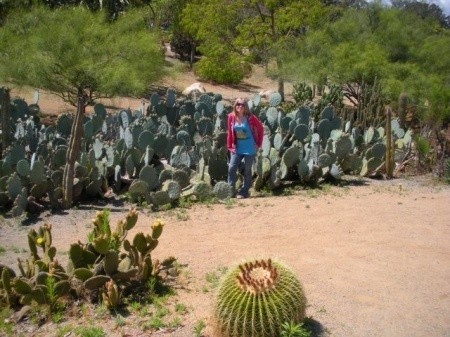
{"x": 280, "y": 80}
{"x": 192, "y": 56}
{"x": 5, "y": 110}
{"x": 73, "y": 151}
{"x": 281, "y": 88}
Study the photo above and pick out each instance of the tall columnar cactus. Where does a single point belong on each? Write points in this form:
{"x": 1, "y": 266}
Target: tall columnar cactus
{"x": 389, "y": 157}
{"x": 402, "y": 108}
{"x": 256, "y": 298}
{"x": 5, "y": 111}
{"x": 73, "y": 151}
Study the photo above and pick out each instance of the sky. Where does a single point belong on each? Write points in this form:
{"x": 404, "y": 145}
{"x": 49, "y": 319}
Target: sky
{"x": 444, "y": 4}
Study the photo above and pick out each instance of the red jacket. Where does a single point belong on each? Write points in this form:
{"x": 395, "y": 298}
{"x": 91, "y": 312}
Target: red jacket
{"x": 256, "y": 128}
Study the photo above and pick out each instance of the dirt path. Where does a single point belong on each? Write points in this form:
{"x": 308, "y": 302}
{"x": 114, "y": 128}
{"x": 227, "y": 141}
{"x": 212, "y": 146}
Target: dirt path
{"x": 374, "y": 258}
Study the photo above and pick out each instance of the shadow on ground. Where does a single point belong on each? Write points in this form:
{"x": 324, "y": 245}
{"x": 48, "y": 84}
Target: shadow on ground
{"x": 315, "y": 327}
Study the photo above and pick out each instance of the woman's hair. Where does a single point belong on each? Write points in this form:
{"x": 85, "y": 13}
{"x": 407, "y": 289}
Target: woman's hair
{"x": 244, "y": 102}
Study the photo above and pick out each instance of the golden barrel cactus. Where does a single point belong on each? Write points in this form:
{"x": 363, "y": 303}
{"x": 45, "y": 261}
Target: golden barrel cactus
{"x": 254, "y": 299}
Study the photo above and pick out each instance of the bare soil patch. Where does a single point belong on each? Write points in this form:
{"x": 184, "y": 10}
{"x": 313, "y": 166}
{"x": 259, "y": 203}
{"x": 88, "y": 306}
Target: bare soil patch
{"x": 373, "y": 256}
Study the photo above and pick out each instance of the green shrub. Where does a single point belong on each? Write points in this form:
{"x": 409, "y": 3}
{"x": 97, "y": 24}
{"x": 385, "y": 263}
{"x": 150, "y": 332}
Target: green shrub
{"x": 294, "y": 330}
{"x": 230, "y": 71}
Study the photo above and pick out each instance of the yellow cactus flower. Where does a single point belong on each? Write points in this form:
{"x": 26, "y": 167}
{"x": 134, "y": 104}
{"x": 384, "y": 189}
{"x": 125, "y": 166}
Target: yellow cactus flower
{"x": 157, "y": 227}
{"x": 158, "y": 222}
{"x": 40, "y": 241}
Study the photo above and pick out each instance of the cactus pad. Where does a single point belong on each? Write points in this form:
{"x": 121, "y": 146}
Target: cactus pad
{"x": 148, "y": 174}
{"x": 275, "y": 99}
{"x": 146, "y": 138}
{"x": 173, "y": 188}
{"x": 292, "y": 156}
{"x": 222, "y": 190}
{"x": 64, "y": 124}
{"x": 202, "y": 190}
{"x": 378, "y": 150}
{"x": 14, "y": 186}
{"x": 272, "y": 117}
{"x": 160, "y": 198}
{"x": 300, "y": 132}
{"x": 23, "y": 168}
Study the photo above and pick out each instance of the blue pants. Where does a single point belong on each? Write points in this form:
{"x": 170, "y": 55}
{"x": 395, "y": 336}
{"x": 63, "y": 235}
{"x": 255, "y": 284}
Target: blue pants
{"x": 233, "y": 166}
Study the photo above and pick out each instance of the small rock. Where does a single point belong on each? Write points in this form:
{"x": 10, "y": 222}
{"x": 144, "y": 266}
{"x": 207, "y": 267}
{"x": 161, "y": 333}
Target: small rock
{"x": 198, "y": 87}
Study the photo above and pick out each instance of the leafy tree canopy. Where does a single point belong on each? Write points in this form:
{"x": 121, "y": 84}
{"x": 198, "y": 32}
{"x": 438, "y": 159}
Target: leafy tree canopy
{"x": 424, "y": 10}
{"x": 72, "y": 49}
{"x": 113, "y": 8}
{"x": 234, "y": 34}
{"x": 404, "y": 51}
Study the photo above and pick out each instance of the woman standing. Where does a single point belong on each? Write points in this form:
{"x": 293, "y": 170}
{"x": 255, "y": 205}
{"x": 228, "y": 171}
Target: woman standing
{"x": 244, "y": 137}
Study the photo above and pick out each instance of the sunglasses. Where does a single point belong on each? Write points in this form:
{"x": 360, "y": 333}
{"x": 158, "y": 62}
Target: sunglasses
{"x": 239, "y": 104}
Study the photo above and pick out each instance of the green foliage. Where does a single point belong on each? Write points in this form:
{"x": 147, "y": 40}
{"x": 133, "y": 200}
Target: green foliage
{"x": 212, "y": 23}
{"x": 6, "y": 326}
{"x": 52, "y": 294}
{"x": 302, "y": 93}
{"x": 89, "y": 331}
{"x": 423, "y": 146}
{"x": 424, "y": 9}
{"x": 198, "y": 328}
{"x": 290, "y": 329}
{"x": 397, "y": 48}
{"x": 126, "y": 61}
{"x": 233, "y": 34}
{"x": 222, "y": 68}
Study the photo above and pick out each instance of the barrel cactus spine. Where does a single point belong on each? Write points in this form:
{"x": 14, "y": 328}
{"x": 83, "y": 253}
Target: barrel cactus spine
{"x": 256, "y": 298}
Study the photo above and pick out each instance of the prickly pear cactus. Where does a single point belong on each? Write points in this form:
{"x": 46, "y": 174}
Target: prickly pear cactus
{"x": 255, "y": 298}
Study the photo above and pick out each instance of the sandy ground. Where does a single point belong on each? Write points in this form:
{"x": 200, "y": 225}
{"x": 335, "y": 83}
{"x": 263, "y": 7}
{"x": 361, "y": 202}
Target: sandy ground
{"x": 373, "y": 256}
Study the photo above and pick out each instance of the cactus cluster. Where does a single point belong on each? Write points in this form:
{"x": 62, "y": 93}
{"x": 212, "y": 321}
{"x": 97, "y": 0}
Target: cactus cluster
{"x": 109, "y": 259}
{"x": 298, "y": 147}
{"x": 130, "y": 152}
{"x": 38, "y": 272}
{"x": 105, "y": 267}
{"x": 181, "y": 140}
{"x": 256, "y": 298}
